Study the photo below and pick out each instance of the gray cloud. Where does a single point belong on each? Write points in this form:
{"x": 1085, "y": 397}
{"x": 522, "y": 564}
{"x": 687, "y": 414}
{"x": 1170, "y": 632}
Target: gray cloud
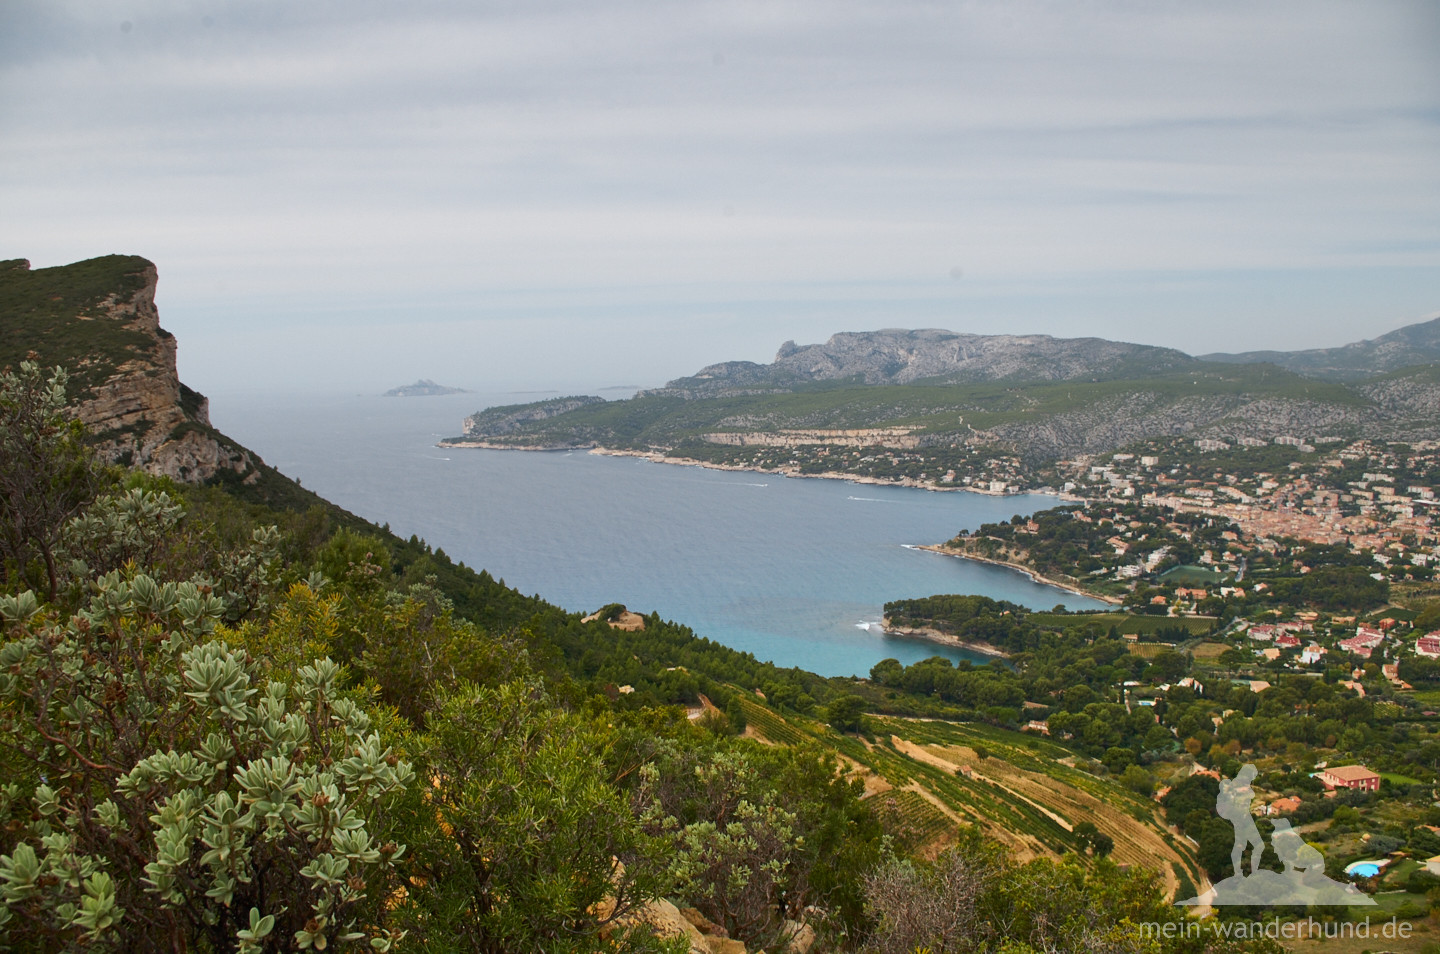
{"x": 764, "y": 170}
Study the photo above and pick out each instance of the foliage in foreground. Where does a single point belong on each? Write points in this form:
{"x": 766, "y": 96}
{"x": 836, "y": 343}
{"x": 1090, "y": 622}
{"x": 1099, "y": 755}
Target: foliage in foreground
{"x": 223, "y": 736}
{"x": 974, "y": 898}
{"x": 163, "y": 795}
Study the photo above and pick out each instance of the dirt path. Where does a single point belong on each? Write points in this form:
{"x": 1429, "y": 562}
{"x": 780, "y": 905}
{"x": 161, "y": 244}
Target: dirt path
{"x": 874, "y": 784}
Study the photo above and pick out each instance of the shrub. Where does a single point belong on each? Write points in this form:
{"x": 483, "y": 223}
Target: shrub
{"x": 174, "y": 800}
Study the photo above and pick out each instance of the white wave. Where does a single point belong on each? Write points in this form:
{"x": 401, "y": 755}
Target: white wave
{"x": 870, "y": 627}
{"x": 871, "y": 499}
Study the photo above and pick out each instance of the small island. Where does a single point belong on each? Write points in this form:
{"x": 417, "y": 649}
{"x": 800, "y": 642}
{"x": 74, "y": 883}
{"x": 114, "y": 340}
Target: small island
{"x": 424, "y": 388}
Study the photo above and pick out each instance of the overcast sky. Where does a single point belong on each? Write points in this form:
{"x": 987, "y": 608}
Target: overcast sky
{"x": 353, "y": 194}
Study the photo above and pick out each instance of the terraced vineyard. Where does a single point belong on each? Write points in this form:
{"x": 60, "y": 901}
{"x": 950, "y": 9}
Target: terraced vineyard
{"x": 1026, "y": 792}
{"x": 918, "y": 824}
{"x": 771, "y": 726}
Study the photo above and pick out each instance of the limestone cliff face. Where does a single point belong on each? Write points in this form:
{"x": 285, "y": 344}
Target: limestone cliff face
{"x": 122, "y": 364}
{"x": 140, "y": 413}
{"x": 902, "y": 356}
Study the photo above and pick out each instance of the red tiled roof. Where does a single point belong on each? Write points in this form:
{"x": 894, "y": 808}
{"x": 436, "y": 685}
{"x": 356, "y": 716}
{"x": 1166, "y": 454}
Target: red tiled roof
{"x": 1351, "y": 773}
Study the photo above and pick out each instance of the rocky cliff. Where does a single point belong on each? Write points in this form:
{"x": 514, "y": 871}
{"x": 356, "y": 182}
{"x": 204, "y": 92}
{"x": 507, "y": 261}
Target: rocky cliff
{"x": 98, "y": 320}
{"x": 901, "y": 356}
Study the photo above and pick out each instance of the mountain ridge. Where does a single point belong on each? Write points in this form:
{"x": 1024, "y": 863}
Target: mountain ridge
{"x": 933, "y": 355}
{"x": 1034, "y": 396}
{"x": 1414, "y": 344}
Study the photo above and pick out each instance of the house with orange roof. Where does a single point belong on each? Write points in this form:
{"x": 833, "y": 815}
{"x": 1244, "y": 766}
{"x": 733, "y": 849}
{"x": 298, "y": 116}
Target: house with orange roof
{"x": 1350, "y": 776}
{"x": 1283, "y": 806}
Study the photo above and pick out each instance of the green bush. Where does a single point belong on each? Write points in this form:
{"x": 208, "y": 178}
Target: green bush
{"x": 173, "y": 800}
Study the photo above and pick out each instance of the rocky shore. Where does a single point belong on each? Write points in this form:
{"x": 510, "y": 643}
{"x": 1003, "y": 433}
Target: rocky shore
{"x": 491, "y": 445}
{"x": 945, "y": 639}
{"x": 1067, "y": 587}
{"x": 660, "y": 458}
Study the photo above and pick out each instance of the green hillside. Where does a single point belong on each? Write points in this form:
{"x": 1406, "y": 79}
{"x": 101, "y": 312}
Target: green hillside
{"x": 238, "y": 718}
{"x": 934, "y": 413}
{"x": 53, "y": 313}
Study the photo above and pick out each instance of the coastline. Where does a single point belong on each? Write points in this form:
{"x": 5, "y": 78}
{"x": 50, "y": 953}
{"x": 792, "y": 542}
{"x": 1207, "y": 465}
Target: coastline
{"x": 488, "y": 445}
{"x": 659, "y": 458}
{"x": 910, "y": 483}
{"x": 944, "y": 639}
{"x": 1067, "y": 587}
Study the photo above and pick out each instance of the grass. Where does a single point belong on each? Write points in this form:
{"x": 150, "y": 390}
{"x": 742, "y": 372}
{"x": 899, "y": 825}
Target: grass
{"x": 1209, "y": 652}
{"x": 1395, "y": 778}
{"x": 1192, "y": 575}
{"x": 1430, "y": 697}
{"x": 912, "y": 819}
{"x": 1024, "y": 793}
{"x": 1397, "y": 873}
{"x": 54, "y": 312}
{"x": 1389, "y": 903}
{"x": 772, "y": 725}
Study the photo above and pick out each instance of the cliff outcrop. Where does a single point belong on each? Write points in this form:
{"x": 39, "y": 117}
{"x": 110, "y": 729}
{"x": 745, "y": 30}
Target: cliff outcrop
{"x": 98, "y": 320}
{"x": 903, "y": 356}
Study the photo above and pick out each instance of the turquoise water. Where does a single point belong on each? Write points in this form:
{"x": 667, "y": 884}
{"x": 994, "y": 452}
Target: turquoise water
{"x": 1362, "y": 869}
{"x": 793, "y": 570}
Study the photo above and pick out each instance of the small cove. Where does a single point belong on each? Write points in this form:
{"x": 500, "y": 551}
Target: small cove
{"x": 793, "y": 570}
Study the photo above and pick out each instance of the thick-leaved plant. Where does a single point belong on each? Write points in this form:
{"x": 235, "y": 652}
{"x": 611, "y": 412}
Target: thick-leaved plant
{"x": 164, "y": 797}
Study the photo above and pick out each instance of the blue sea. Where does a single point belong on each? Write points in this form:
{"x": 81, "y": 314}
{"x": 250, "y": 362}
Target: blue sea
{"x": 793, "y": 570}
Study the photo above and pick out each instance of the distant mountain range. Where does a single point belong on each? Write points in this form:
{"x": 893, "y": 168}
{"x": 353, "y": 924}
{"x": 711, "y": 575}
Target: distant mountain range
{"x": 934, "y": 356}
{"x": 1034, "y": 395}
{"x": 1405, "y": 347}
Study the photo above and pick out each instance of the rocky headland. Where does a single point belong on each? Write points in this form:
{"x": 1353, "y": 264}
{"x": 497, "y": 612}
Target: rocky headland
{"x": 99, "y": 320}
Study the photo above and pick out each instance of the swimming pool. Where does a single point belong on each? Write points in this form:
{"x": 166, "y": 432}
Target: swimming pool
{"x": 1364, "y": 869}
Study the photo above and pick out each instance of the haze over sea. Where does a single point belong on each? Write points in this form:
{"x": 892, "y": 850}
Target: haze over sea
{"x": 789, "y": 569}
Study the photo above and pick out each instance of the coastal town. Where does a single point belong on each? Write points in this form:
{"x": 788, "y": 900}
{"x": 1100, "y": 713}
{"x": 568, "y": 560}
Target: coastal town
{"x": 1279, "y": 609}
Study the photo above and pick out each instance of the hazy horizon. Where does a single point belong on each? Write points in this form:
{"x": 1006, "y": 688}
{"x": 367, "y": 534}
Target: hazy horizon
{"x": 350, "y": 196}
